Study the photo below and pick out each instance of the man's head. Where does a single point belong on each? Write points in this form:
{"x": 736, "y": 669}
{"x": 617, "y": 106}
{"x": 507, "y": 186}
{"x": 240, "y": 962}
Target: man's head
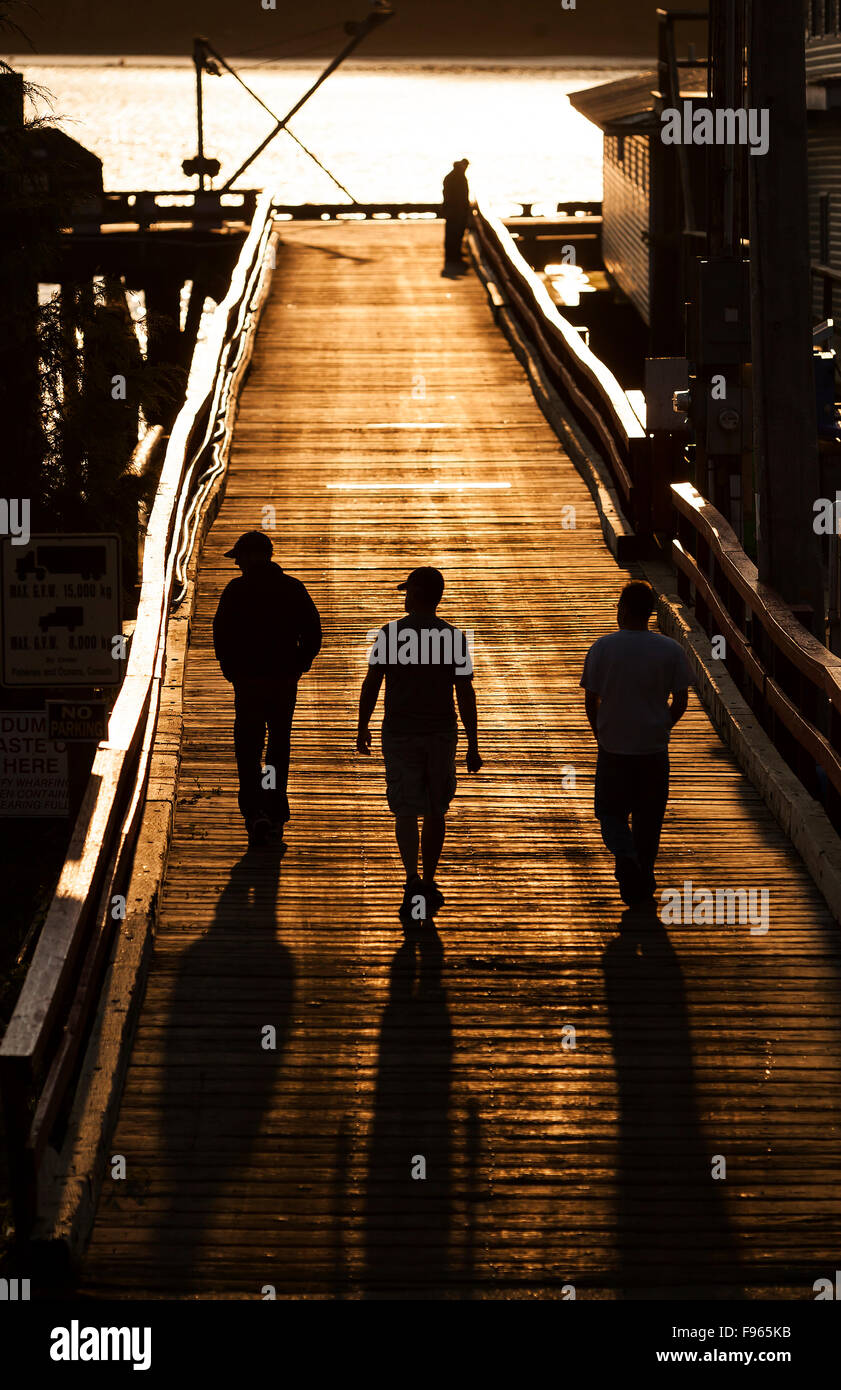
{"x": 636, "y": 604}
{"x": 424, "y": 588}
{"x": 251, "y": 550}
{"x": 461, "y": 164}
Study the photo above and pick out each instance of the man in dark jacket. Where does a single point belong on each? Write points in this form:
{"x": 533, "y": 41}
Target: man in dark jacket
{"x": 456, "y": 210}
{"x": 266, "y": 633}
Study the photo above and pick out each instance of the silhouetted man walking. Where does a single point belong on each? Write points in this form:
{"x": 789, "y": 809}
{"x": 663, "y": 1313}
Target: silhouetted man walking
{"x": 628, "y": 677}
{"x": 456, "y": 210}
{"x": 266, "y": 633}
{"x": 423, "y": 660}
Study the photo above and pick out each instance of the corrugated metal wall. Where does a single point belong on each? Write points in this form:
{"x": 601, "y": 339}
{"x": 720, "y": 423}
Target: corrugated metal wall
{"x": 825, "y": 177}
{"x": 823, "y": 40}
{"x": 626, "y": 216}
{"x": 823, "y": 59}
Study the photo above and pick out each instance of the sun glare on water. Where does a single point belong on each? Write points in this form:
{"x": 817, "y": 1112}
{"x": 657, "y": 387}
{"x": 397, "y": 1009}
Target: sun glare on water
{"x": 388, "y": 132}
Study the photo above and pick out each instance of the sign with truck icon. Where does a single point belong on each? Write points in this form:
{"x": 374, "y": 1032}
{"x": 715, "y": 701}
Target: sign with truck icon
{"x": 61, "y": 611}
{"x": 87, "y": 561}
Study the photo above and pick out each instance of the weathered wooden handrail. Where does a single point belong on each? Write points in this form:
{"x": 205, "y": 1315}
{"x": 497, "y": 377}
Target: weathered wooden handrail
{"x": 303, "y": 212}
{"x": 600, "y": 405}
{"x": 45, "y": 1033}
{"x": 323, "y": 211}
{"x": 223, "y": 410}
{"x": 791, "y": 681}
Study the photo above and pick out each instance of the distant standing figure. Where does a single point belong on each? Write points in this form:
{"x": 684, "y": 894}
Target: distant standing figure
{"x": 266, "y": 634}
{"x": 422, "y": 660}
{"x": 456, "y": 210}
{"x": 628, "y": 677}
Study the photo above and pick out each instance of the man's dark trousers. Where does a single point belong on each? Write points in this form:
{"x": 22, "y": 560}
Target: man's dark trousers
{"x": 454, "y": 229}
{"x": 263, "y": 703}
{"x": 635, "y": 787}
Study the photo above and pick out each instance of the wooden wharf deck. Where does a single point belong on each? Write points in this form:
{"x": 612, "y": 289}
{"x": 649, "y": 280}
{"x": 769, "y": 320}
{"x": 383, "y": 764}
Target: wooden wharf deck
{"x": 389, "y": 424}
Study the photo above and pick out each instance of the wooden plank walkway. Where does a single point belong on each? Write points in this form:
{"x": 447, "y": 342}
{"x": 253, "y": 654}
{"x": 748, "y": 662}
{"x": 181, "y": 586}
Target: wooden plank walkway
{"x": 373, "y": 379}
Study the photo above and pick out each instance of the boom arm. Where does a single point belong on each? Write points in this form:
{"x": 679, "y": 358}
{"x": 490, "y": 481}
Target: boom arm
{"x": 359, "y": 31}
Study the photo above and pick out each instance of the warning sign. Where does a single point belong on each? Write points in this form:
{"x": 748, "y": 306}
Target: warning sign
{"x": 77, "y": 721}
{"x": 61, "y": 611}
{"x": 33, "y": 768}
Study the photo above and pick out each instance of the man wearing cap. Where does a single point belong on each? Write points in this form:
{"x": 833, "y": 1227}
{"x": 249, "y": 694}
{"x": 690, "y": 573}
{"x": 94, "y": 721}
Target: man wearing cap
{"x": 456, "y": 210}
{"x": 266, "y": 633}
{"x": 423, "y": 660}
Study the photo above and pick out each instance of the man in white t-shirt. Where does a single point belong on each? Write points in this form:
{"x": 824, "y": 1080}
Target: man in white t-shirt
{"x": 637, "y": 685}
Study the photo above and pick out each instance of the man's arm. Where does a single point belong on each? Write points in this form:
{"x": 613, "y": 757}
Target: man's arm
{"x": 309, "y": 634}
{"x": 591, "y": 707}
{"x": 466, "y": 701}
{"x": 223, "y": 629}
{"x": 368, "y": 696}
{"x": 677, "y": 709}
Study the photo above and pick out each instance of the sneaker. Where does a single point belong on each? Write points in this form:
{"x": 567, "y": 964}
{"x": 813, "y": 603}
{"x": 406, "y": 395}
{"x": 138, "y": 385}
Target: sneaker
{"x": 434, "y": 896}
{"x": 259, "y": 830}
{"x": 630, "y": 879}
{"x": 412, "y": 890}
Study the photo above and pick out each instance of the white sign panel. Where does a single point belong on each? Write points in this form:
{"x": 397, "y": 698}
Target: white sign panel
{"x": 33, "y": 769}
{"x": 61, "y": 610}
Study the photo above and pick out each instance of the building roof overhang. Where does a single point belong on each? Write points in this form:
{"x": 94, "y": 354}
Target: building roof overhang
{"x": 630, "y": 105}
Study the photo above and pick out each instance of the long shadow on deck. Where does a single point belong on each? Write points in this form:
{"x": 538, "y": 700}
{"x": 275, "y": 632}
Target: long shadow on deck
{"x": 231, "y": 984}
{"x": 673, "y": 1235}
{"x": 408, "y": 1219}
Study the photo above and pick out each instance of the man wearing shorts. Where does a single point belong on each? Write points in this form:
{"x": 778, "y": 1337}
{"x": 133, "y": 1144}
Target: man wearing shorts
{"x": 423, "y": 661}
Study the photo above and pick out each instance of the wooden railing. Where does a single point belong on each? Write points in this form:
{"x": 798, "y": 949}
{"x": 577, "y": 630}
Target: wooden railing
{"x": 354, "y": 212}
{"x": 145, "y": 208}
{"x": 401, "y": 211}
{"x": 45, "y": 1036}
{"x": 791, "y": 681}
{"x": 601, "y": 408}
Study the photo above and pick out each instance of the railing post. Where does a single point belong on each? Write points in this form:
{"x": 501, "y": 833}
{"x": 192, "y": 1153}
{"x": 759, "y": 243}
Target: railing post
{"x": 833, "y": 800}
{"x": 686, "y": 536}
{"x": 704, "y": 561}
{"x": 737, "y": 609}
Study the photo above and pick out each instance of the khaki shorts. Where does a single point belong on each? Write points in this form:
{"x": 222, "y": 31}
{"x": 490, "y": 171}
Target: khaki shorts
{"x": 420, "y": 773}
